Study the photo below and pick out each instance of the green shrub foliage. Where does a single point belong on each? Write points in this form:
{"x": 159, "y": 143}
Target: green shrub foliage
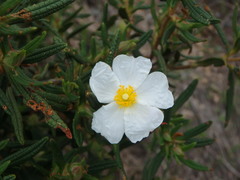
{"x": 47, "y": 105}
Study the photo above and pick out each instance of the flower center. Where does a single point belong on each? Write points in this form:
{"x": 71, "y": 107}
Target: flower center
{"x": 126, "y": 96}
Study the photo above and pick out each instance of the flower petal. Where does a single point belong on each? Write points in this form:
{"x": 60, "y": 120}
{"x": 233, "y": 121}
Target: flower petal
{"x": 139, "y": 120}
{"x": 103, "y": 82}
{"x": 108, "y": 121}
{"x": 131, "y": 71}
{"x": 154, "y": 91}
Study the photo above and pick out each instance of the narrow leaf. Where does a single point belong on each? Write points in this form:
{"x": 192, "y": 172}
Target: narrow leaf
{"x": 104, "y": 34}
{"x": 193, "y": 164}
{"x": 16, "y": 117}
{"x": 33, "y": 44}
{"x": 113, "y": 48}
{"x": 152, "y": 166}
{"x": 197, "y": 13}
{"x": 184, "y": 96}
{"x": 196, "y": 130}
{"x": 235, "y": 26}
{"x": 211, "y": 61}
{"x": 161, "y": 61}
{"x": 39, "y": 10}
{"x": 40, "y": 54}
{"x": 76, "y": 127}
{"x": 154, "y": 12}
{"x": 222, "y": 35}
{"x": 10, "y": 177}
{"x": 191, "y": 37}
{"x": 15, "y": 30}
{"x": 201, "y": 142}
{"x": 78, "y": 30}
{"x": 4, "y": 166}
{"x": 3, "y": 144}
{"x": 229, "y": 97}
{"x": 101, "y": 165}
{"x": 143, "y": 39}
{"x": 25, "y": 153}
{"x": 8, "y": 5}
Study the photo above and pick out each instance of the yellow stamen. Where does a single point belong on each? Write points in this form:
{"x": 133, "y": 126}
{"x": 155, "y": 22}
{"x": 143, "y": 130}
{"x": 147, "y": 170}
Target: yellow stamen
{"x": 125, "y": 97}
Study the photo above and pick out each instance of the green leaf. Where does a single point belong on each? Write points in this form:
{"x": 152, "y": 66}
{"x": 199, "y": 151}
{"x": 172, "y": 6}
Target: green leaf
{"x": 229, "y": 97}
{"x": 76, "y": 127}
{"x": 5, "y": 102}
{"x": 20, "y": 77}
{"x": 171, "y": 3}
{"x": 78, "y": 30}
{"x": 40, "y": 54}
{"x": 93, "y": 47}
{"x": 197, "y": 13}
{"x": 114, "y": 3}
{"x": 15, "y": 30}
{"x": 3, "y": 144}
{"x": 34, "y": 43}
{"x": 201, "y": 142}
{"x": 62, "y": 99}
{"x": 14, "y": 58}
{"x": 143, "y": 39}
{"x": 167, "y": 33}
{"x": 8, "y": 5}
{"x": 71, "y": 17}
{"x": 9, "y": 177}
{"x": 222, "y": 35}
{"x": 153, "y": 12}
{"x": 184, "y": 96}
{"x": 161, "y": 61}
{"x": 93, "y": 102}
{"x": 179, "y": 120}
{"x": 113, "y": 48}
{"x": 136, "y": 8}
{"x": 53, "y": 120}
{"x": 101, "y": 165}
{"x": 211, "y": 61}
{"x": 89, "y": 177}
{"x": 4, "y": 166}
{"x": 104, "y": 34}
{"x": 57, "y": 156}
{"x": 193, "y": 164}
{"x": 135, "y": 28}
{"x": 189, "y": 146}
{"x": 105, "y": 14}
{"x": 126, "y": 46}
{"x": 25, "y": 153}
{"x": 18, "y": 88}
{"x": 236, "y": 46}
{"x": 39, "y": 10}
{"x": 152, "y": 166}
{"x": 16, "y": 116}
{"x": 196, "y": 130}
{"x": 123, "y": 13}
{"x": 235, "y": 26}
{"x": 189, "y": 36}
{"x": 75, "y": 56}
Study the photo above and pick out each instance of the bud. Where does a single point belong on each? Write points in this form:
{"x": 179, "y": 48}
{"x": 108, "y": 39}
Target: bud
{"x": 126, "y": 46}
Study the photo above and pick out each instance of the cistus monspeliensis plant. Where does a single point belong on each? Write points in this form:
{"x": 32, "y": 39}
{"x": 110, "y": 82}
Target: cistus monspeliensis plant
{"x": 69, "y": 109}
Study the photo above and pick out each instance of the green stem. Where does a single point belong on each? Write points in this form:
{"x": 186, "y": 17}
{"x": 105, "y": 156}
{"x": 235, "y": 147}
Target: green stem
{"x": 119, "y": 160}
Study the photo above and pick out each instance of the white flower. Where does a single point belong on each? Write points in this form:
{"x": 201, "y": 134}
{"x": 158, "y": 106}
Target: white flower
{"x": 133, "y": 97}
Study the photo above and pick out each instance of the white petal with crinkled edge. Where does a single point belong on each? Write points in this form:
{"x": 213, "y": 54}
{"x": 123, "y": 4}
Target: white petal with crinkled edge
{"x": 154, "y": 91}
{"x": 108, "y": 121}
{"x": 103, "y": 82}
{"x": 139, "y": 120}
{"x": 131, "y": 71}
